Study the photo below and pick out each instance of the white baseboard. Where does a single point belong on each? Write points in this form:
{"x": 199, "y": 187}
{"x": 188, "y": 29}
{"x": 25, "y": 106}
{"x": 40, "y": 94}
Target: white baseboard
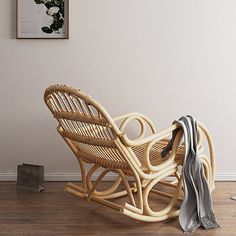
{"x": 225, "y": 177}
{"x": 75, "y": 176}
{"x": 108, "y": 177}
{"x": 58, "y": 177}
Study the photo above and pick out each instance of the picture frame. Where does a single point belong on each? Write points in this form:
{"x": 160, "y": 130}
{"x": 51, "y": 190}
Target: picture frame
{"x": 42, "y": 19}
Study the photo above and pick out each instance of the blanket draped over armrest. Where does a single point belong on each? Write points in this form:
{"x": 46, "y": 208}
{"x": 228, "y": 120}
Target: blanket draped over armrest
{"x": 196, "y": 209}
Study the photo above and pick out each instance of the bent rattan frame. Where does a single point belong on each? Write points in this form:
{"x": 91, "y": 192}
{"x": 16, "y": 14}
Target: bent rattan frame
{"x": 97, "y": 139}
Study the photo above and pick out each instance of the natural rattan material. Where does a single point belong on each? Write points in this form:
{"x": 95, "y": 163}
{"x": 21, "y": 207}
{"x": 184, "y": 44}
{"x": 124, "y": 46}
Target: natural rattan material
{"x": 97, "y": 139}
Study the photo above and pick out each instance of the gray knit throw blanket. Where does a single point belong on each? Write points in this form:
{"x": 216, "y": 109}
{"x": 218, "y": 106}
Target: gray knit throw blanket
{"x": 196, "y": 209}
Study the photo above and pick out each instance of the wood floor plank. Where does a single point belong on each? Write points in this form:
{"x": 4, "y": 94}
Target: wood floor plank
{"x": 54, "y": 212}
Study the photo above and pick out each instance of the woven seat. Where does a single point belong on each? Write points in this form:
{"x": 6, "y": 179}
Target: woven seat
{"x": 155, "y": 152}
{"x": 155, "y": 157}
{"x": 103, "y": 142}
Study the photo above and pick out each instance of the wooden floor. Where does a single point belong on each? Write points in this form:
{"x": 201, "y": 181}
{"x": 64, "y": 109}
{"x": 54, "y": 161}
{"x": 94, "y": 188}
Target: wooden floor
{"x": 54, "y": 212}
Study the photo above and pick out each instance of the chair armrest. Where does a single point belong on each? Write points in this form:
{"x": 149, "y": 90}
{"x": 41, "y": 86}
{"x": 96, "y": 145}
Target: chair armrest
{"x": 154, "y": 137}
{"x": 143, "y": 121}
{"x": 151, "y": 140}
{"x": 138, "y": 116}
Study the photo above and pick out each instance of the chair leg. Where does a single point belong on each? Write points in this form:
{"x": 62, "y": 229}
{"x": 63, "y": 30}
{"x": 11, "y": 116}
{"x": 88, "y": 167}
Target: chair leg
{"x": 74, "y": 190}
{"x": 137, "y": 210}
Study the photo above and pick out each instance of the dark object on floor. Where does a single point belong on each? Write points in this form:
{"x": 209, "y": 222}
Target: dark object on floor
{"x": 30, "y": 177}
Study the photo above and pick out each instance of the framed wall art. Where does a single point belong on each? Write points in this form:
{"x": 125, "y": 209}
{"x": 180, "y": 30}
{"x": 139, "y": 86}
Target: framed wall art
{"x": 42, "y": 19}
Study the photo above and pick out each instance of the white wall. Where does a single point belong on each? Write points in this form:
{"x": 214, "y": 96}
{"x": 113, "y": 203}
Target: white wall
{"x": 161, "y": 58}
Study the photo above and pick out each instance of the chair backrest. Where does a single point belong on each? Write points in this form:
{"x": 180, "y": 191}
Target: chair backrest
{"x": 85, "y": 122}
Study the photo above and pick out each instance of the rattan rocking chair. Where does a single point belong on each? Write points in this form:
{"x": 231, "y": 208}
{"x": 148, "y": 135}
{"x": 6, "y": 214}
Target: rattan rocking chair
{"x": 97, "y": 139}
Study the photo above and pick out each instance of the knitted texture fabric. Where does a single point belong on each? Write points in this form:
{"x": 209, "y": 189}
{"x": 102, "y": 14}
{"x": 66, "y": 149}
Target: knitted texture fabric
{"x": 197, "y": 208}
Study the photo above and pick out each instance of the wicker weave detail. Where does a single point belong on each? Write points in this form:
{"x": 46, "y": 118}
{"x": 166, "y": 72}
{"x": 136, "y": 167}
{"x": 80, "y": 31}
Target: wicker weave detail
{"x": 88, "y": 140}
{"x": 76, "y": 116}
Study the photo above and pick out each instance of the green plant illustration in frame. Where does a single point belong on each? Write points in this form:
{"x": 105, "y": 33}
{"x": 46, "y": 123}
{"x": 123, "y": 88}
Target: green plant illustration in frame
{"x": 55, "y": 9}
